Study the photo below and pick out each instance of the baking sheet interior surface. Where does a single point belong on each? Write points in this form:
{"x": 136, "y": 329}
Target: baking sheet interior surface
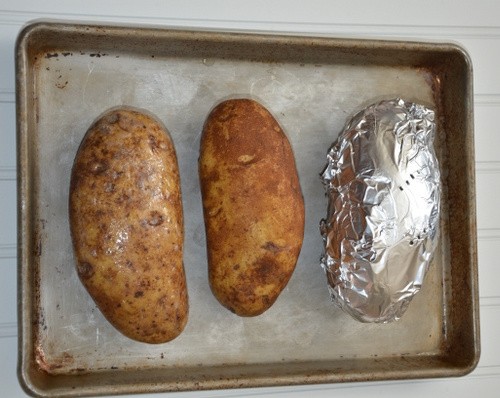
{"x": 311, "y": 102}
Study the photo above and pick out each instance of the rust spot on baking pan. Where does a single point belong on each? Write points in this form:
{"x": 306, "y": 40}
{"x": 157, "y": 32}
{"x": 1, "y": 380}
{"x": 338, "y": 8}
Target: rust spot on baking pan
{"x": 59, "y": 362}
{"x": 38, "y": 248}
{"x": 62, "y": 85}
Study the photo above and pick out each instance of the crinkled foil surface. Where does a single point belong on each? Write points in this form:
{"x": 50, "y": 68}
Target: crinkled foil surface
{"x": 383, "y": 186}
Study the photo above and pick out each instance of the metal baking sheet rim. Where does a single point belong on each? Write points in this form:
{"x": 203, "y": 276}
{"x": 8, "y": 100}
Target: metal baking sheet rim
{"x": 451, "y": 362}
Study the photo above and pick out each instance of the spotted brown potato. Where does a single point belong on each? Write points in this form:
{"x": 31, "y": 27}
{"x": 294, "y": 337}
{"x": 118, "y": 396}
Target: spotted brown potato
{"x": 126, "y": 225}
{"x": 253, "y": 206}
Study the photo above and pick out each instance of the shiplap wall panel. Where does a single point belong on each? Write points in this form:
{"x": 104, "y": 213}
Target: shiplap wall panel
{"x": 488, "y": 189}
{"x": 426, "y": 12}
{"x": 487, "y": 134}
{"x": 8, "y": 324}
{"x": 7, "y": 213}
{"x": 474, "y": 24}
{"x": 488, "y": 248}
{"x": 7, "y": 140}
{"x": 490, "y": 314}
{"x": 8, "y": 34}
{"x": 8, "y": 360}
{"x": 486, "y": 81}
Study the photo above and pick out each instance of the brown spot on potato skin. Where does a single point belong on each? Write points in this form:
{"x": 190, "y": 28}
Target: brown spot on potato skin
{"x": 127, "y": 266}
{"x": 271, "y": 246}
{"x": 253, "y": 206}
{"x": 155, "y": 219}
{"x": 85, "y": 270}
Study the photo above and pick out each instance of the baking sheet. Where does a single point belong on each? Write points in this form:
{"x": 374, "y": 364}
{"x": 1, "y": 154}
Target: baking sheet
{"x": 69, "y": 74}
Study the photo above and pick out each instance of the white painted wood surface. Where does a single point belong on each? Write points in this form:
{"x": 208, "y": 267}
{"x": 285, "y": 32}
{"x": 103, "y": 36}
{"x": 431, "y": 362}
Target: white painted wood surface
{"x": 474, "y": 24}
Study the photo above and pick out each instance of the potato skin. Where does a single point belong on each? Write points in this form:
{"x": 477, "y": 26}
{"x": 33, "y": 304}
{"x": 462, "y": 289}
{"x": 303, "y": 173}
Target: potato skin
{"x": 126, "y": 225}
{"x": 253, "y": 206}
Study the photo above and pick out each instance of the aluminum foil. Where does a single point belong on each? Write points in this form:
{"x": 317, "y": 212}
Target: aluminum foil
{"x": 383, "y": 186}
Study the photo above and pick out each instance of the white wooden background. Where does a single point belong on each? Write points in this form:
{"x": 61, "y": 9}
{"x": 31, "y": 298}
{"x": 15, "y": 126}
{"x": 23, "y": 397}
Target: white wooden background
{"x": 473, "y": 23}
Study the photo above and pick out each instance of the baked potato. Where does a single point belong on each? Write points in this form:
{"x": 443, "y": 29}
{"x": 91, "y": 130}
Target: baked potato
{"x": 253, "y": 206}
{"x": 126, "y": 225}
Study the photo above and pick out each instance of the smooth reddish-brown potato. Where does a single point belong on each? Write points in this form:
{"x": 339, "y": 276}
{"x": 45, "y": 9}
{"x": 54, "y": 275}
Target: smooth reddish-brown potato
{"x": 253, "y": 206}
{"x": 127, "y": 225}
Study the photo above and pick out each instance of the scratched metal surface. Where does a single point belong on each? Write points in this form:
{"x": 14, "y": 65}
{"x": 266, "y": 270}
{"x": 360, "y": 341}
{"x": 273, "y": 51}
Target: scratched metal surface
{"x": 312, "y": 102}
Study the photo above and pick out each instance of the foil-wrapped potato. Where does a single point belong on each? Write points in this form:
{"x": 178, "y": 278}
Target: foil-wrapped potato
{"x": 383, "y": 185}
{"x": 253, "y": 206}
{"x": 126, "y": 225}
